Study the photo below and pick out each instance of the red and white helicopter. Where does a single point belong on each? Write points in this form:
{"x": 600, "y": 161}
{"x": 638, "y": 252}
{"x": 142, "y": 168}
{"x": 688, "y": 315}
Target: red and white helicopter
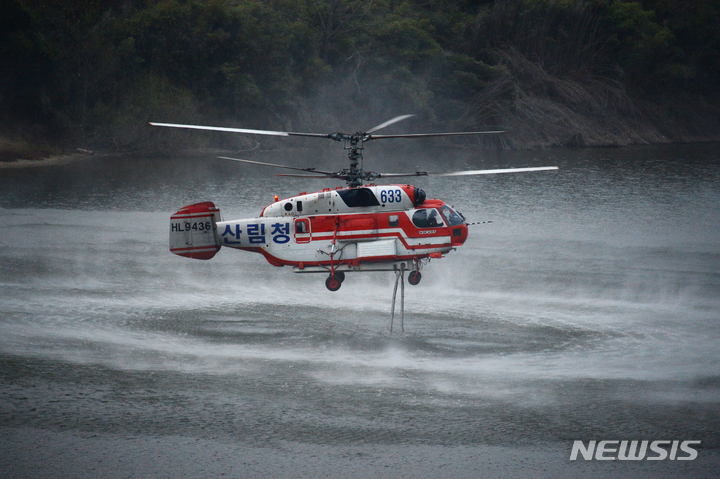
{"x": 336, "y": 231}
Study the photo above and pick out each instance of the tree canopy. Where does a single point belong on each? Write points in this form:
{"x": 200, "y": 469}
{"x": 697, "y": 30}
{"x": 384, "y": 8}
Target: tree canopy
{"x": 97, "y": 70}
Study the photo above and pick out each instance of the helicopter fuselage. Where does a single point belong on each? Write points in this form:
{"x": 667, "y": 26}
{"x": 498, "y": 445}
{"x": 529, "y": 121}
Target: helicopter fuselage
{"x": 356, "y": 228}
{"x": 369, "y": 228}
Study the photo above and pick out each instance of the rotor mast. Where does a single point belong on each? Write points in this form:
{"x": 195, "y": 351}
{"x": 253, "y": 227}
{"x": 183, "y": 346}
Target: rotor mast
{"x": 354, "y": 175}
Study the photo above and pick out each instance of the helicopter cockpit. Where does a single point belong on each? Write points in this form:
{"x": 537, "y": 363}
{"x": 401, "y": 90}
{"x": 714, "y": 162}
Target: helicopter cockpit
{"x": 453, "y": 217}
{"x": 427, "y": 218}
{"x": 431, "y": 218}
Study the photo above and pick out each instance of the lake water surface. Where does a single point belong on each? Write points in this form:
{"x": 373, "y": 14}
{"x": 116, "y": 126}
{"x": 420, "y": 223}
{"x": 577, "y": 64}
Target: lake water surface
{"x": 589, "y": 309}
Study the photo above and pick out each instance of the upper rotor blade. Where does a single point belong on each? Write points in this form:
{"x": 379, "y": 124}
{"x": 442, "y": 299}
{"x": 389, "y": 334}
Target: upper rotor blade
{"x": 423, "y": 135}
{"x": 468, "y": 172}
{"x": 240, "y": 130}
{"x": 311, "y": 170}
{"x": 389, "y": 122}
{"x": 222, "y": 128}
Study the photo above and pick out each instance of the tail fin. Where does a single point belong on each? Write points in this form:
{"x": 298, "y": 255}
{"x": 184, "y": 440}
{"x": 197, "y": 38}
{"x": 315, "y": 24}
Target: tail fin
{"x": 193, "y": 231}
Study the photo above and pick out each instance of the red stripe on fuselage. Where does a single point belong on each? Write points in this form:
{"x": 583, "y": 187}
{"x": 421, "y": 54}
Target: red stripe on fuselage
{"x": 185, "y": 216}
{"x": 196, "y": 248}
{"x": 371, "y": 221}
{"x": 376, "y": 221}
{"x": 275, "y": 261}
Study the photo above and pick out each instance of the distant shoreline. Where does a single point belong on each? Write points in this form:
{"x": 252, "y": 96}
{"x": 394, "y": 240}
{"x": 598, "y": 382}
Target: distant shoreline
{"x": 25, "y": 160}
{"x": 52, "y": 160}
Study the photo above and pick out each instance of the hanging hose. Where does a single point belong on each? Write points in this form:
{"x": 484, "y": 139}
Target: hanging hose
{"x": 399, "y": 279}
{"x": 332, "y": 250}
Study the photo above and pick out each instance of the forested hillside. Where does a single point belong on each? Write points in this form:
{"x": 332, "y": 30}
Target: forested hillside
{"x": 91, "y": 73}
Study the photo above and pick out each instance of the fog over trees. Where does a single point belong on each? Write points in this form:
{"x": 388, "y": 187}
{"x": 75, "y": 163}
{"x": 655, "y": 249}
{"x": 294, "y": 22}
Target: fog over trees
{"x": 92, "y": 73}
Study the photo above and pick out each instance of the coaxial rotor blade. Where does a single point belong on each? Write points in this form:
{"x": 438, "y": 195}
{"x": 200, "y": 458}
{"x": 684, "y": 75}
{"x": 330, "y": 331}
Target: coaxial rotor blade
{"x": 323, "y": 135}
{"x": 240, "y": 130}
{"x": 311, "y": 170}
{"x": 389, "y": 122}
{"x": 401, "y": 175}
{"x": 493, "y": 172}
{"x": 425, "y": 135}
{"x": 222, "y": 128}
{"x": 468, "y": 172}
{"x": 326, "y": 176}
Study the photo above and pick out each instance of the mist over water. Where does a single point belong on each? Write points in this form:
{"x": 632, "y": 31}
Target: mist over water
{"x": 588, "y": 309}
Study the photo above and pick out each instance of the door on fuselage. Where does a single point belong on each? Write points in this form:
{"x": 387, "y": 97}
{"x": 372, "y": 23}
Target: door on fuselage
{"x": 302, "y": 230}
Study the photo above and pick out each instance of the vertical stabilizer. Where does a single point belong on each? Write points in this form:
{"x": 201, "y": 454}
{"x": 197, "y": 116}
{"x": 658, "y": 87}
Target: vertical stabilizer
{"x": 193, "y": 231}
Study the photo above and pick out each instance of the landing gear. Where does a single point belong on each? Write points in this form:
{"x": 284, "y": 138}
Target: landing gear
{"x": 414, "y": 277}
{"x": 333, "y": 282}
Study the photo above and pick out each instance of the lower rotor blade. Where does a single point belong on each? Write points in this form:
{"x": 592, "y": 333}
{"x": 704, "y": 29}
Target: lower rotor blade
{"x": 325, "y": 176}
{"x": 427, "y": 135}
{"x": 400, "y": 175}
{"x": 468, "y": 172}
{"x": 493, "y": 172}
{"x": 311, "y": 170}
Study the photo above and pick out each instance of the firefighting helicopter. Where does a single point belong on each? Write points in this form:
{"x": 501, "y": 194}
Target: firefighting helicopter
{"x": 356, "y": 228}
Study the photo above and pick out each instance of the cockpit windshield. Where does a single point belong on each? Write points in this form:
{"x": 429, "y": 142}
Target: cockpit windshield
{"x": 453, "y": 217}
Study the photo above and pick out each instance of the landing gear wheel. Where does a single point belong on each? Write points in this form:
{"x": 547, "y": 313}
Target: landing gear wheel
{"x": 414, "y": 278}
{"x": 333, "y": 283}
{"x": 340, "y": 275}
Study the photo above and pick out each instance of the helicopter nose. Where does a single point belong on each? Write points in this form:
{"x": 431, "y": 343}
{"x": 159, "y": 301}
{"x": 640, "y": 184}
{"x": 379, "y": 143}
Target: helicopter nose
{"x": 459, "y": 234}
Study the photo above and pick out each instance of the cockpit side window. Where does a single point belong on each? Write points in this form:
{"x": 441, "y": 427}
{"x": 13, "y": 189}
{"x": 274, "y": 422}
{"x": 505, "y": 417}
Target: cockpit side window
{"x": 358, "y": 197}
{"x": 452, "y": 216}
{"x": 427, "y": 218}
